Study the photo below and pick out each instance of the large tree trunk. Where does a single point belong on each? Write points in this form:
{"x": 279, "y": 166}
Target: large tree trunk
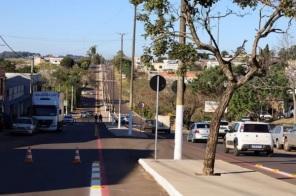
{"x": 209, "y": 159}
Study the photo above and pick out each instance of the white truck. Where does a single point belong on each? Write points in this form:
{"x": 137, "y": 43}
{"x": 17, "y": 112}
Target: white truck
{"x": 48, "y": 110}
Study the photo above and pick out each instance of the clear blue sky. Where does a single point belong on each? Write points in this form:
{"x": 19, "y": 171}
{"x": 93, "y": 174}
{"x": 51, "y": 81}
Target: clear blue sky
{"x": 62, "y": 27}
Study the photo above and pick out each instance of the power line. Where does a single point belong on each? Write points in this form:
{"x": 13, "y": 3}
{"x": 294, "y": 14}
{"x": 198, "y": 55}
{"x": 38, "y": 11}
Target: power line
{"x": 8, "y": 46}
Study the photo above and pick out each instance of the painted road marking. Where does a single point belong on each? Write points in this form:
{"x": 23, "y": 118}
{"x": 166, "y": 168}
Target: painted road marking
{"x": 276, "y": 171}
{"x": 96, "y": 188}
{"x": 96, "y": 131}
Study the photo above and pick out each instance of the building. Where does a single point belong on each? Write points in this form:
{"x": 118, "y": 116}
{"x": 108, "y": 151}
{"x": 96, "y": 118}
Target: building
{"x": 53, "y": 60}
{"x": 16, "y": 97}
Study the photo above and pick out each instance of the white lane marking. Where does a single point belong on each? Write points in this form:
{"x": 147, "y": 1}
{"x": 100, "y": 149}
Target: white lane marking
{"x": 96, "y": 187}
{"x": 276, "y": 171}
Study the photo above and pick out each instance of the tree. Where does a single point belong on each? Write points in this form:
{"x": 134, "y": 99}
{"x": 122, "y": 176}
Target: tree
{"x": 224, "y": 53}
{"x": 126, "y": 63}
{"x": 67, "y": 62}
{"x": 159, "y": 20}
{"x": 7, "y": 66}
{"x": 95, "y": 58}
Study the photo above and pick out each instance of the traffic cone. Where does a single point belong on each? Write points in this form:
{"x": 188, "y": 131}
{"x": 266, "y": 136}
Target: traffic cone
{"x": 29, "y": 158}
{"x": 77, "y": 157}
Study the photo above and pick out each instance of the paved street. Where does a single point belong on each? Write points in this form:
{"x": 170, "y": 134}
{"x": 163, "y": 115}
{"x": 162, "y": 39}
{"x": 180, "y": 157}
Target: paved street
{"x": 53, "y": 173}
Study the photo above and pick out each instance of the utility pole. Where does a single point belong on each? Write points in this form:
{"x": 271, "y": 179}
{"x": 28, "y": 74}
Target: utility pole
{"x": 31, "y": 76}
{"x": 120, "y": 91}
{"x": 180, "y": 93}
{"x": 132, "y": 73}
{"x": 218, "y": 31}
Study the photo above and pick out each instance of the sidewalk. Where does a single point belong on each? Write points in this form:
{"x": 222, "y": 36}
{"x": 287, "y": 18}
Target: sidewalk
{"x": 182, "y": 177}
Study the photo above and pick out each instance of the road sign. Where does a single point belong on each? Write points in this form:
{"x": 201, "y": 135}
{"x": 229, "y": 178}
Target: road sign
{"x": 211, "y": 106}
{"x": 174, "y": 86}
{"x": 153, "y": 83}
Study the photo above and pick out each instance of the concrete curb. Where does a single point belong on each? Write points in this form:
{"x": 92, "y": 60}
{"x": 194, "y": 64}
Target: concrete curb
{"x": 171, "y": 190}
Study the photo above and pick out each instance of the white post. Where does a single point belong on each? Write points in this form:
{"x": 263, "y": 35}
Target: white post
{"x": 72, "y": 98}
{"x": 156, "y": 120}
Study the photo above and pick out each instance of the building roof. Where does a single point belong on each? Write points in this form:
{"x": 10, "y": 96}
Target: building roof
{"x": 36, "y": 76}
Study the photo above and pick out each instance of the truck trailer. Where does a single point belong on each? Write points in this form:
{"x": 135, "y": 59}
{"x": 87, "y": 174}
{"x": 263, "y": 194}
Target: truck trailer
{"x": 48, "y": 110}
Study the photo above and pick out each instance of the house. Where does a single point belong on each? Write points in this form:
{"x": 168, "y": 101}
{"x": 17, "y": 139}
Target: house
{"x": 16, "y": 100}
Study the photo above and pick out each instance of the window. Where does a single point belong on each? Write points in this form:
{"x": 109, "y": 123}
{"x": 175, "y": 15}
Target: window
{"x": 202, "y": 126}
{"x": 256, "y": 128}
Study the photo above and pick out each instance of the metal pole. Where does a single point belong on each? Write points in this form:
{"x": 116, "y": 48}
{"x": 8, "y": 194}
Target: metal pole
{"x": 156, "y": 120}
{"x": 72, "y": 98}
{"x": 67, "y": 101}
{"x": 120, "y": 91}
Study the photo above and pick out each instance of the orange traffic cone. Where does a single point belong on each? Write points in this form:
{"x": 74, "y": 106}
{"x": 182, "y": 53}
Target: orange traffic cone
{"x": 77, "y": 157}
{"x": 29, "y": 158}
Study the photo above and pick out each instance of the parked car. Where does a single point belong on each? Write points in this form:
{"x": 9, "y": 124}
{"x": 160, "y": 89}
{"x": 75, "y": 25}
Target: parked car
{"x": 68, "y": 119}
{"x": 83, "y": 114}
{"x": 24, "y": 125}
{"x": 290, "y": 139}
{"x": 224, "y": 127}
{"x": 265, "y": 116}
{"x": 278, "y": 134}
{"x": 198, "y": 131}
{"x": 249, "y": 136}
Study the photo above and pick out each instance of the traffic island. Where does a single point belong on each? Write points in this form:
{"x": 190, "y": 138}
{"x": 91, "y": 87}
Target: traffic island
{"x": 183, "y": 177}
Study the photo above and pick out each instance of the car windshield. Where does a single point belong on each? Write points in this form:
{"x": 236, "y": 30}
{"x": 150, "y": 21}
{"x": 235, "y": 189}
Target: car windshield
{"x": 223, "y": 123}
{"x": 257, "y": 128}
{"x": 287, "y": 128}
{"x": 23, "y": 121}
{"x": 43, "y": 110}
{"x": 202, "y": 125}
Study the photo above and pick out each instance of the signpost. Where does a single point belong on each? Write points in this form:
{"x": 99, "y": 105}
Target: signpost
{"x": 157, "y": 83}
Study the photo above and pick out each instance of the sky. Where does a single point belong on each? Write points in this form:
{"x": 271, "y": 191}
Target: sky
{"x": 61, "y": 27}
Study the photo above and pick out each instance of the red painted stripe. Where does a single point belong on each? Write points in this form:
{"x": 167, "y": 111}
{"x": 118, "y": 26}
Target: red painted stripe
{"x": 105, "y": 190}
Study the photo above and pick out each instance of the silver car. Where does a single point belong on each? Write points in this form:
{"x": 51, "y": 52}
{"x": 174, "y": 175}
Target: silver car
{"x": 198, "y": 131}
{"x": 290, "y": 139}
{"x": 24, "y": 125}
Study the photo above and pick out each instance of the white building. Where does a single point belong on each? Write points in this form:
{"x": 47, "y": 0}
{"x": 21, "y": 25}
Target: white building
{"x": 54, "y": 60}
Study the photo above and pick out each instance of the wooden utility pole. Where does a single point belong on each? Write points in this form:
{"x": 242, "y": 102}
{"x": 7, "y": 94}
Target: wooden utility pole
{"x": 180, "y": 92}
{"x": 120, "y": 91}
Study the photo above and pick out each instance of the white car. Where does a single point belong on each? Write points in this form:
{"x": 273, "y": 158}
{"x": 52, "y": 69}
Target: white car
{"x": 68, "y": 119}
{"x": 278, "y": 134}
{"x": 24, "y": 125}
{"x": 198, "y": 131}
{"x": 248, "y": 136}
{"x": 224, "y": 127}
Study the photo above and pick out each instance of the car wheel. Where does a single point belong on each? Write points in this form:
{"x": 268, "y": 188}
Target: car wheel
{"x": 269, "y": 153}
{"x": 188, "y": 139}
{"x": 278, "y": 145}
{"x": 193, "y": 140}
{"x": 286, "y": 145}
{"x": 236, "y": 151}
{"x": 226, "y": 150}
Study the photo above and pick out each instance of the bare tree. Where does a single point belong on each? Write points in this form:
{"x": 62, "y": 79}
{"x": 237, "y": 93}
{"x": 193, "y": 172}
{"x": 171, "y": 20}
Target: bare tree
{"x": 197, "y": 15}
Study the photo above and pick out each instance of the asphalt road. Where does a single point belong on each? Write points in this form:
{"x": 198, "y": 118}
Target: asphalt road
{"x": 53, "y": 173}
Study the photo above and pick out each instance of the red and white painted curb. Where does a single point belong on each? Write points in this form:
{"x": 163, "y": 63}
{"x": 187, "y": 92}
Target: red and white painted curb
{"x": 276, "y": 171}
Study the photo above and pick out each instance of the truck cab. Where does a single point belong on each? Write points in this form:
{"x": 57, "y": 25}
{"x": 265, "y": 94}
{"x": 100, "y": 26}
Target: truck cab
{"x": 48, "y": 110}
